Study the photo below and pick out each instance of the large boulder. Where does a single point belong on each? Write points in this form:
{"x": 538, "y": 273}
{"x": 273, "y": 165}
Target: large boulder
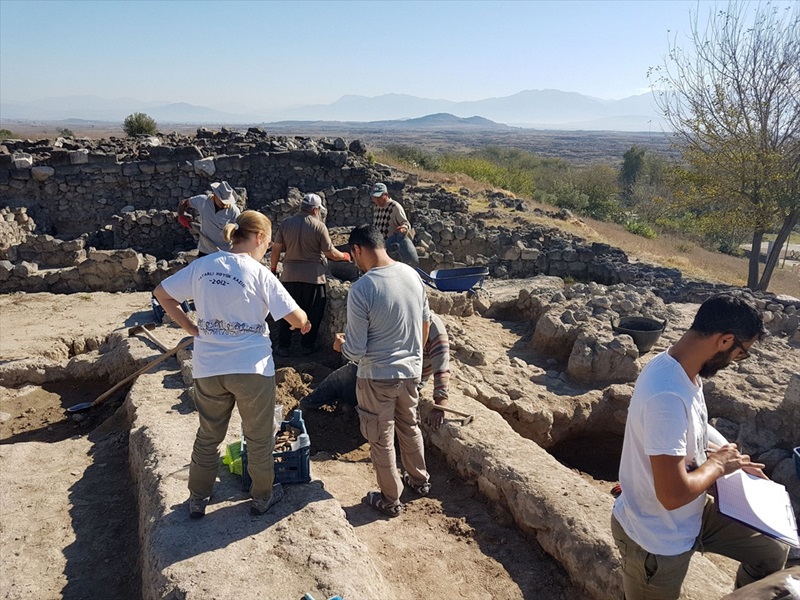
{"x": 554, "y": 336}
{"x": 599, "y": 357}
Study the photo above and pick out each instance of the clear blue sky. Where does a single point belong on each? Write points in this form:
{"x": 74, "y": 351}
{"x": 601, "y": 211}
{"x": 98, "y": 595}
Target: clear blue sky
{"x": 268, "y": 55}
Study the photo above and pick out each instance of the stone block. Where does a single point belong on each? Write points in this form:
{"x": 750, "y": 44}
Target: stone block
{"x": 529, "y": 254}
{"x": 599, "y": 357}
{"x": 585, "y": 255}
{"x": 25, "y": 269}
{"x": 79, "y": 157}
{"x": 333, "y": 159}
{"x": 229, "y": 163}
{"x": 513, "y": 252}
{"x": 205, "y": 167}
{"x": 102, "y": 158}
{"x": 59, "y": 157}
{"x": 42, "y": 173}
{"x": 161, "y": 154}
{"x": 187, "y": 153}
{"x": 23, "y": 160}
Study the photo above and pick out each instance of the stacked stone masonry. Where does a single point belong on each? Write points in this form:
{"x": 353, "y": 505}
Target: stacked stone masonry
{"x": 105, "y": 209}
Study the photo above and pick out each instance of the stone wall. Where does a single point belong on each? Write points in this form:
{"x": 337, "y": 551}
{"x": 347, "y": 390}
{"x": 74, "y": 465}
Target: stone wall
{"x": 117, "y": 194}
{"x": 73, "y": 190}
{"x": 155, "y": 232}
{"x": 101, "y": 271}
{"x": 15, "y": 226}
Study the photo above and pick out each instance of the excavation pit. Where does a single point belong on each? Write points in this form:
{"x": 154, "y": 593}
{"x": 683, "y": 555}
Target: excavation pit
{"x": 596, "y": 455}
{"x": 38, "y": 413}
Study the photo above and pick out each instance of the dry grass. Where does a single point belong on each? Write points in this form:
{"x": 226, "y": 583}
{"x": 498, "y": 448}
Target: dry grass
{"x": 666, "y": 250}
{"x": 450, "y": 181}
{"x": 695, "y": 261}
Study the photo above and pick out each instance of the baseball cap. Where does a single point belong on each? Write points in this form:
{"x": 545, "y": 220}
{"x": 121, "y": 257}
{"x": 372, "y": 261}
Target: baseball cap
{"x": 312, "y": 201}
{"x": 379, "y": 189}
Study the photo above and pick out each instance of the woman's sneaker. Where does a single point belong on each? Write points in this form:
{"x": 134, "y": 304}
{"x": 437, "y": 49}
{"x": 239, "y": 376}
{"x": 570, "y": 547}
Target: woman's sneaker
{"x": 261, "y": 505}
{"x": 197, "y": 506}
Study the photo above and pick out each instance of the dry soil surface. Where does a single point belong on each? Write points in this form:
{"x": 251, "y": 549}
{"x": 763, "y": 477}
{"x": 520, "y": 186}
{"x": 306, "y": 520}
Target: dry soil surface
{"x": 68, "y": 512}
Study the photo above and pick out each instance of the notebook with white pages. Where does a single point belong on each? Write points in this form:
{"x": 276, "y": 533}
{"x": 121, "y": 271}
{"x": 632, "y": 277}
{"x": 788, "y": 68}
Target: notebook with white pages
{"x": 759, "y": 503}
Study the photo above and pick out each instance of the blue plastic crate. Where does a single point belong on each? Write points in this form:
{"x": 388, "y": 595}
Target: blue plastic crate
{"x": 293, "y": 466}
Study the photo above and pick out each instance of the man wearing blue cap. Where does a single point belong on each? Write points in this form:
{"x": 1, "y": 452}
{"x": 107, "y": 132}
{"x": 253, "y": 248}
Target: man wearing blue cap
{"x": 390, "y": 219}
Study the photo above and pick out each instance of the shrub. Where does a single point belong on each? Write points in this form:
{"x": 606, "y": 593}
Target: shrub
{"x": 642, "y": 229}
{"x": 481, "y": 169}
{"x": 414, "y": 157}
{"x": 569, "y": 197}
{"x": 66, "y": 132}
{"x": 139, "y": 124}
{"x": 6, "y": 134}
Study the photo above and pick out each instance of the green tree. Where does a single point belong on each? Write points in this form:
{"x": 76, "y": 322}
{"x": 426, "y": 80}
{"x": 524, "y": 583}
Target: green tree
{"x": 732, "y": 101}
{"x": 139, "y": 124}
{"x": 6, "y": 134}
{"x": 631, "y": 170}
{"x": 66, "y": 132}
{"x": 600, "y": 185}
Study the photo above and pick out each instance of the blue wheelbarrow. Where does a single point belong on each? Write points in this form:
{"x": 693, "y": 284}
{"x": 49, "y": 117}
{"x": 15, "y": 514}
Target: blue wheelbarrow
{"x": 464, "y": 279}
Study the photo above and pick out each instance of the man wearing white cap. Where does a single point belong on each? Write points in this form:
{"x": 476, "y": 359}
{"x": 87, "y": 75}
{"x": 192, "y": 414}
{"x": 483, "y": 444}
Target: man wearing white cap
{"x": 306, "y": 242}
{"x": 215, "y": 209}
{"x": 390, "y": 219}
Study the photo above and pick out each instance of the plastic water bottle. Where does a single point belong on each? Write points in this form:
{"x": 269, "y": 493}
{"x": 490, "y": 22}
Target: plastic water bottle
{"x": 158, "y": 312}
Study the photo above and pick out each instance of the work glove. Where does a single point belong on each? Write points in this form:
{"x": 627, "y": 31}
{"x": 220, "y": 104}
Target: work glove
{"x": 346, "y": 256}
{"x": 184, "y": 221}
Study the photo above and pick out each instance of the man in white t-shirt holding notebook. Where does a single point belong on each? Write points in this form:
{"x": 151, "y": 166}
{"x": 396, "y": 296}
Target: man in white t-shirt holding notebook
{"x": 668, "y": 462}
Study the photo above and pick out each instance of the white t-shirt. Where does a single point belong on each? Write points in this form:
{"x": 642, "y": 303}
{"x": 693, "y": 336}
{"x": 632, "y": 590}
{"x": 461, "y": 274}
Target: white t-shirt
{"x": 233, "y": 294}
{"x": 667, "y": 416}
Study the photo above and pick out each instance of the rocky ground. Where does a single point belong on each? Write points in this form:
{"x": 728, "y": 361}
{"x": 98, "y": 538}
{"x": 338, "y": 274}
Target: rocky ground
{"x": 69, "y": 522}
{"x": 69, "y": 515}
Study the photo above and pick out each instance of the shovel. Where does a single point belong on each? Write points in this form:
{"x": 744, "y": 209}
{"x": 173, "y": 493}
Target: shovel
{"x": 145, "y": 329}
{"x": 101, "y": 398}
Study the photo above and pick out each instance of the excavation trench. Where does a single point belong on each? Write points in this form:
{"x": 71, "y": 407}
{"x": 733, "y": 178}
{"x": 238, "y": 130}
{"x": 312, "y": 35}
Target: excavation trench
{"x": 504, "y": 519}
{"x": 320, "y": 539}
{"x": 66, "y": 486}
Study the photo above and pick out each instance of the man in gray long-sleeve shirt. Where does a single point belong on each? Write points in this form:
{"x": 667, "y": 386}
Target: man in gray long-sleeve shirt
{"x": 387, "y": 326}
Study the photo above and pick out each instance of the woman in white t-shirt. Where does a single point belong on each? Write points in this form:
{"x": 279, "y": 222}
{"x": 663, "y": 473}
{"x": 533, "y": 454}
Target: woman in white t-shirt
{"x": 232, "y": 361}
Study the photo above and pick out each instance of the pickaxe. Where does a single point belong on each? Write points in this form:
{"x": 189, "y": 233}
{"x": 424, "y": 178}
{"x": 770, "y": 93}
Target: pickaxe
{"x": 145, "y": 329}
{"x": 467, "y": 418}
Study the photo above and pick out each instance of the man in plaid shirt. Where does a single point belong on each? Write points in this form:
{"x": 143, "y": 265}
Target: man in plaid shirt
{"x": 390, "y": 219}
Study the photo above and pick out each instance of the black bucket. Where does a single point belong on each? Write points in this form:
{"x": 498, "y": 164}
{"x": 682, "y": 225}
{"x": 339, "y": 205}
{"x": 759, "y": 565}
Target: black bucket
{"x": 644, "y": 331}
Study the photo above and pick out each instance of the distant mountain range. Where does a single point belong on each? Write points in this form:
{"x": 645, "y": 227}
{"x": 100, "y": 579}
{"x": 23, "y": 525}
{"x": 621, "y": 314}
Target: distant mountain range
{"x": 441, "y": 121}
{"x": 543, "y": 109}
